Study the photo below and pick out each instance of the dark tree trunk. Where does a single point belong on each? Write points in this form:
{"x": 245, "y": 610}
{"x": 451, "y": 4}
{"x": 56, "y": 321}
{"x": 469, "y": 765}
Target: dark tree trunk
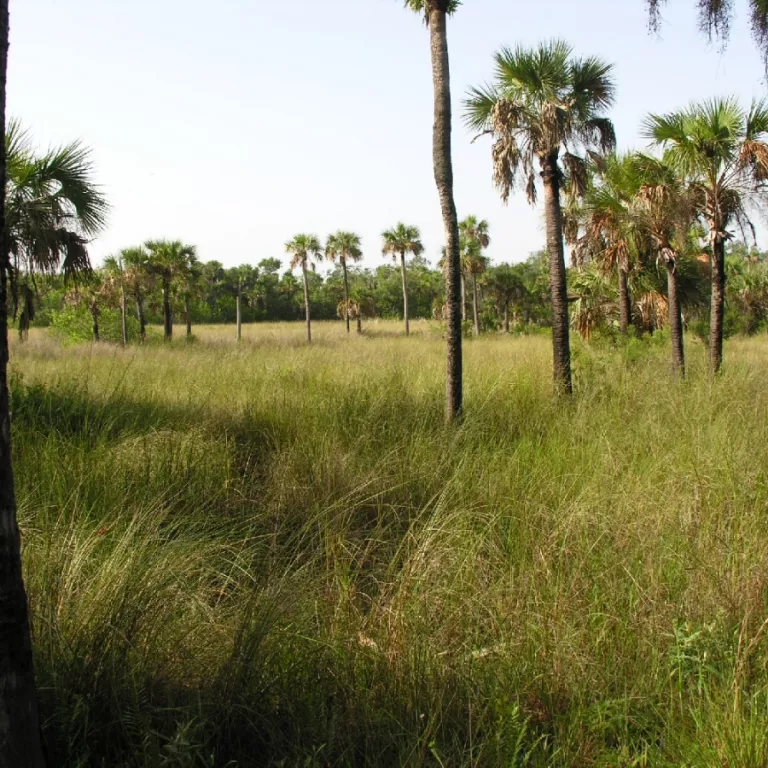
{"x": 717, "y": 312}
{"x": 123, "y": 316}
{"x": 359, "y": 323}
{"x": 405, "y": 293}
{"x": 167, "y": 319}
{"x": 187, "y": 316}
{"x": 142, "y": 319}
{"x": 95, "y": 316}
{"x": 506, "y": 316}
{"x": 306, "y": 301}
{"x": 625, "y": 310}
{"x": 239, "y": 322}
{"x": 475, "y": 305}
{"x": 560, "y": 321}
{"x": 443, "y": 168}
{"x": 675, "y": 320}
{"x": 464, "y": 312}
{"x": 346, "y": 291}
{"x": 20, "y": 745}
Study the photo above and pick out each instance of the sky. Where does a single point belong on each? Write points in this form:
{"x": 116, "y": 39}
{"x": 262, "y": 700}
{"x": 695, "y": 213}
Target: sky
{"x": 236, "y": 124}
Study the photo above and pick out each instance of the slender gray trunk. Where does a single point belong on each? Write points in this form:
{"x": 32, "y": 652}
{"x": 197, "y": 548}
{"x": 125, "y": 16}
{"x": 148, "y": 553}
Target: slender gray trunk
{"x": 506, "y": 316}
{"x": 405, "y": 293}
{"x": 625, "y": 311}
{"x": 443, "y": 169}
{"x": 717, "y": 310}
{"x": 20, "y": 745}
{"x": 306, "y": 301}
{"x": 346, "y": 291}
{"x": 475, "y": 305}
{"x": 557, "y": 284}
{"x": 167, "y": 319}
{"x": 142, "y": 319}
{"x": 675, "y": 320}
{"x": 123, "y": 316}
{"x": 239, "y": 323}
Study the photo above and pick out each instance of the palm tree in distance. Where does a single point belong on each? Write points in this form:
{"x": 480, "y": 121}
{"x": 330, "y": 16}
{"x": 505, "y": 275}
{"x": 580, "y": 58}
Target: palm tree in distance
{"x": 116, "y": 275}
{"x": 506, "y": 286}
{"x": 139, "y": 279}
{"x": 344, "y": 246}
{"x": 435, "y": 13}
{"x": 168, "y": 260}
{"x": 399, "y": 241}
{"x": 542, "y": 104}
{"x": 720, "y": 149}
{"x": 304, "y": 250}
{"x": 474, "y": 237}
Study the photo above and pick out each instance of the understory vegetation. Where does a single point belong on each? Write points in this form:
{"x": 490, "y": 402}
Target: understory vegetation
{"x": 271, "y": 553}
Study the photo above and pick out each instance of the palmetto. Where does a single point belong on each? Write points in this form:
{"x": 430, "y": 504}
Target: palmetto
{"x": 399, "y": 241}
{"x": 542, "y": 104}
{"x": 169, "y": 260}
{"x": 139, "y": 281}
{"x": 305, "y": 250}
{"x": 720, "y": 150}
{"x": 473, "y": 238}
{"x": 346, "y": 247}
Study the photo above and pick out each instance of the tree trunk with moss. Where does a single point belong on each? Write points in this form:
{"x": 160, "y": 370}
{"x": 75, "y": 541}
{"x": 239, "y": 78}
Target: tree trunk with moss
{"x": 306, "y": 301}
{"x": 443, "y": 170}
{"x": 560, "y": 321}
{"x": 20, "y": 744}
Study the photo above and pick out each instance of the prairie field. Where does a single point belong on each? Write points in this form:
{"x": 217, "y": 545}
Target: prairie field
{"x": 277, "y": 554}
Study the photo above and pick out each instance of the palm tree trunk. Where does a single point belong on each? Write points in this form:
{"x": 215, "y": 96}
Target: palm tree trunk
{"x": 346, "y": 291}
{"x": 239, "y": 323}
{"x": 463, "y": 297}
{"x": 405, "y": 293}
{"x": 20, "y": 745}
{"x": 443, "y": 169}
{"x": 475, "y": 305}
{"x": 506, "y": 316}
{"x": 718, "y": 305}
{"x": 306, "y": 300}
{"x": 675, "y": 320}
{"x": 188, "y": 317}
{"x": 359, "y": 323}
{"x": 123, "y": 316}
{"x": 142, "y": 319}
{"x": 167, "y": 320}
{"x": 95, "y": 316}
{"x": 625, "y": 311}
{"x": 560, "y": 324}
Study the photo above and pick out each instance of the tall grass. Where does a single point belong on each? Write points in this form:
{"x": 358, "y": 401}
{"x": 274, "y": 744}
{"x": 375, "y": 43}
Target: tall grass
{"x": 271, "y": 554}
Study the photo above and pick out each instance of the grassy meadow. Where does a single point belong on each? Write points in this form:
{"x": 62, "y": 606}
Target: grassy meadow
{"x": 275, "y": 554}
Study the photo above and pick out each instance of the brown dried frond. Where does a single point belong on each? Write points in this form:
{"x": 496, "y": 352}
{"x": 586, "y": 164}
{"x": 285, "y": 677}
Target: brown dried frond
{"x": 755, "y": 154}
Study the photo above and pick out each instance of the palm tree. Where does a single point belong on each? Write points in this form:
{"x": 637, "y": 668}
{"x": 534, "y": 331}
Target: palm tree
{"x": 245, "y": 277}
{"x": 720, "y": 149}
{"x": 190, "y": 285}
{"x": 474, "y": 234}
{"x": 139, "y": 280}
{"x": 398, "y": 241}
{"x": 435, "y": 14}
{"x": 19, "y": 724}
{"x": 304, "y": 249}
{"x": 543, "y": 103}
{"x": 344, "y": 246}
{"x": 91, "y": 293}
{"x": 116, "y": 273}
{"x": 169, "y": 259}
{"x": 506, "y": 285}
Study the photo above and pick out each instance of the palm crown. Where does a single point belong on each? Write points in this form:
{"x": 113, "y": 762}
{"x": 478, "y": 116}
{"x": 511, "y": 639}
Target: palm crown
{"x": 424, "y": 6}
{"x": 400, "y": 240}
{"x": 170, "y": 258}
{"x": 304, "y": 249}
{"x": 344, "y": 246}
{"x": 542, "y": 101}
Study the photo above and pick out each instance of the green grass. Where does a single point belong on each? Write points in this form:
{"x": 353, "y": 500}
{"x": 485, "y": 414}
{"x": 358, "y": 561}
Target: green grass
{"x": 269, "y": 554}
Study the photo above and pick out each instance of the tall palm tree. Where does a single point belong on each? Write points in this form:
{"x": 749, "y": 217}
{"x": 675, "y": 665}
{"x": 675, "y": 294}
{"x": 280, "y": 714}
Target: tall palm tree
{"x": 190, "y": 286}
{"x": 435, "y": 14}
{"x": 19, "y": 724}
{"x": 139, "y": 281}
{"x": 116, "y": 274}
{"x": 344, "y": 246}
{"x": 399, "y": 241}
{"x": 543, "y": 103}
{"x": 169, "y": 260}
{"x": 721, "y": 150}
{"x": 304, "y": 250}
{"x": 474, "y": 233}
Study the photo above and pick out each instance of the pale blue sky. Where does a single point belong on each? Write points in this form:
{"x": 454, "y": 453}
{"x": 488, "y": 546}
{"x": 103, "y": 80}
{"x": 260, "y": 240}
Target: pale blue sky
{"x": 236, "y": 124}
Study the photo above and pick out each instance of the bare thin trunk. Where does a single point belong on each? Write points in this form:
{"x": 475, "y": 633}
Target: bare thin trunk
{"x": 506, "y": 316}
{"x": 718, "y": 305}
{"x": 167, "y": 319}
{"x": 346, "y": 291}
{"x": 464, "y": 312}
{"x": 359, "y": 323}
{"x": 405, "y": 293}
{"x": 142, "y": 319}
{"x": 443, "y": 168}
{"x": 239, "y": 322}
{"x": 306, "y": 300}
{"x": 95, "y": 316}
{"x": 675, "y": 320}
{"x": 123, "y": 316}
{"x": 625, "y": 311}
{"x": 188, "y": 316}
{"x": 20, "y": 745}
{"x": 560, "y": 325}
{"x": 475, "y": 305}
